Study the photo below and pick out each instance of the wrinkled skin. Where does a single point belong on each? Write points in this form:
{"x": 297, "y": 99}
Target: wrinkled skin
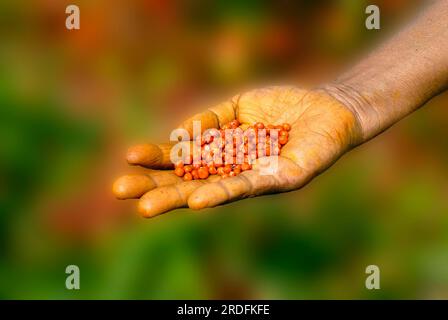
{"x": 322, "y": 129}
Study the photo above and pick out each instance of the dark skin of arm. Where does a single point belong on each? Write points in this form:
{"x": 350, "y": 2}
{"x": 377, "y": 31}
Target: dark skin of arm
{"x": 326, "y": 122}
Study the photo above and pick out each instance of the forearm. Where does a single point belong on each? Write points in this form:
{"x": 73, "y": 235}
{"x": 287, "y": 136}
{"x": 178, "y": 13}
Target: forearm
{"x": 399, "y": 77}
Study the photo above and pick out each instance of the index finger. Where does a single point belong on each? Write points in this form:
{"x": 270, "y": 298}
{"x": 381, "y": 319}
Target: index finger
{"x": 214, "y": 117}
{"x": 157, "y": 156}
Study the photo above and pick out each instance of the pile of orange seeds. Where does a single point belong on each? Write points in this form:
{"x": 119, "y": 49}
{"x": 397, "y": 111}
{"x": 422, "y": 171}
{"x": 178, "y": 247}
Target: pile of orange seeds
{"x": 230, "y": 150}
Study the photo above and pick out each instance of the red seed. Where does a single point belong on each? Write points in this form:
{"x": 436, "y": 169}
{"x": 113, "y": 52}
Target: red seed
{"x": 282, "y": 139}
{"x": 179, "y": 171}
{"x": 234, "y": 124}
{"x": 203, "y": 173}
{"x": 286, "y": 126}
{"x": 212, "y": 170}
{"x": 283, "y": 133}
{"x": 179, "y": 164}
{"x": 227, "y": 168}
{"x": 245, "y": 145}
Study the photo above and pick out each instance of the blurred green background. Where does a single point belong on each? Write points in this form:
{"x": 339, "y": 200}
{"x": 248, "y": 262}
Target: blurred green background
{"x": 71, "y": 102}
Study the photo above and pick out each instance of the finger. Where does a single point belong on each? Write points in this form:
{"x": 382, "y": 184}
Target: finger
{"x": 156, "y": 156}
{"x": 135, "y": 185}
{"x": 149, "y": 155}
{"x": 213, "y": 117}
{"x": 163, "y": 199}
{"x": 250, "y": 183}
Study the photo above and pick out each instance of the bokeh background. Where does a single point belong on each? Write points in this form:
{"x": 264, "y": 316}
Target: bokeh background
{"x": 71, "y": 102}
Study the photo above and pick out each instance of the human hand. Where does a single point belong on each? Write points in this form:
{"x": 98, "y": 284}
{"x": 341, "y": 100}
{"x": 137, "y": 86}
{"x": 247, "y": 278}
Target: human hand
{"x": 322, "y": 129}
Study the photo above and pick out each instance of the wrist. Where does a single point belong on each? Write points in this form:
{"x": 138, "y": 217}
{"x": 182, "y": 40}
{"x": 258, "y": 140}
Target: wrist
{"x": 360, "y": 105}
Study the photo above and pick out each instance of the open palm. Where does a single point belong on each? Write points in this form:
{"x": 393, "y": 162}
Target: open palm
{"x": 322, "y": 129}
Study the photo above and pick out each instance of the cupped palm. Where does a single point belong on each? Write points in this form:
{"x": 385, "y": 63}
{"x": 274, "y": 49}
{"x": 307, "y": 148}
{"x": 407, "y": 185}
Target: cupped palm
{"x": 322, "y": 129}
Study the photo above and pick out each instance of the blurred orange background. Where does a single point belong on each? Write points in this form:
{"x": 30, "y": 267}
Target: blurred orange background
{"x": 73, "y": 101}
